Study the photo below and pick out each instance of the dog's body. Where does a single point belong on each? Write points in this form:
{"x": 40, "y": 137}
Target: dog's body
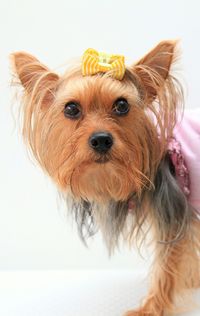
{"x": 108, "y": 140}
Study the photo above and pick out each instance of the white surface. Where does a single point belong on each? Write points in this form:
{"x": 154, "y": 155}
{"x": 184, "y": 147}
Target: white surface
{"x": 72, "y": 293}
{"x": 33, "y": 234}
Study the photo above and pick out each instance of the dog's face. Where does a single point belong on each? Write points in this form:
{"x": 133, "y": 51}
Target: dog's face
{"x": 95, "y": 135}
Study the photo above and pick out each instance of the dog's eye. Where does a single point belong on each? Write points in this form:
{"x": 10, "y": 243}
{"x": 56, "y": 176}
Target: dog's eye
{"x": 121, "y": 106}
{"x": 72, "y": 110}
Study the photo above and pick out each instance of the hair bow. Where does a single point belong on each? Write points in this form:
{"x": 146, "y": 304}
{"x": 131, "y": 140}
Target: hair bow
{"x": 94, "y": 62}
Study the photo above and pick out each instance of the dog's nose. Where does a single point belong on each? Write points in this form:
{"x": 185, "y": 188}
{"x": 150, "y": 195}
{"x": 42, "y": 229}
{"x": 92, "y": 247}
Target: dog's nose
{"x": 101, "y": 142}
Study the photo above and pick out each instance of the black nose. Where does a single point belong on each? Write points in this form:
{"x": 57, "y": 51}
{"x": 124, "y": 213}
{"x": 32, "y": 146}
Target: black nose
{"x": 101, "y": 142}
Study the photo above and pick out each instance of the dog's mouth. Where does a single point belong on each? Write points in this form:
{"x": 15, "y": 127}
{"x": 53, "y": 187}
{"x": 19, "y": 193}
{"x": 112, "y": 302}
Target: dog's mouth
{"x": 102, "y": 159}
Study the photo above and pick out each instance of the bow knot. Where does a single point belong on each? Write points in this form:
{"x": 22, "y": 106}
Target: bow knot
{"x": 94, "y": 62}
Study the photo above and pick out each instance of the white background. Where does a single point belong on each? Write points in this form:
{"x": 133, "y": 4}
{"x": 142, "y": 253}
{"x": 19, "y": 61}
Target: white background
{"x": 34, "y": 233}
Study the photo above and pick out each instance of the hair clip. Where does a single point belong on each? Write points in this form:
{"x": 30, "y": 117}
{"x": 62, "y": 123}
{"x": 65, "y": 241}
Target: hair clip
{"x": 94, "y": 62}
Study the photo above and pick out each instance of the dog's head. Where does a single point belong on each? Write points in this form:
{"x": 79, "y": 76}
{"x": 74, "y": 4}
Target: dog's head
{"x": 99, "y": 138}
{"x": 95, "y": 135}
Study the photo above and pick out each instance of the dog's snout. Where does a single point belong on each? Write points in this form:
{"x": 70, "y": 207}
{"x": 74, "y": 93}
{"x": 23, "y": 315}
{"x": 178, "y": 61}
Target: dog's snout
{"x": 101, "y": 142}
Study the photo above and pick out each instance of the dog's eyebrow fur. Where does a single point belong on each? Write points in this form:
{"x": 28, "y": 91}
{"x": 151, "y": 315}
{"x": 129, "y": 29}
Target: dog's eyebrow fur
{"x": 130, "y": 77}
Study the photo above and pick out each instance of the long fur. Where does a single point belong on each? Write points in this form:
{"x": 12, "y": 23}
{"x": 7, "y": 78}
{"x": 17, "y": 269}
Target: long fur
{"x": 136, "y": 191}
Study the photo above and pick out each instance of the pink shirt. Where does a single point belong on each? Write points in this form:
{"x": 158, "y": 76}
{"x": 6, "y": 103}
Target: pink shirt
{"x": 187, "y": 133}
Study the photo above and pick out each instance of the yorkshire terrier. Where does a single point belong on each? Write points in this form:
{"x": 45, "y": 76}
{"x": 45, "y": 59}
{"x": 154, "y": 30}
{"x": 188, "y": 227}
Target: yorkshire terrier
{"x": 116, "y": 143}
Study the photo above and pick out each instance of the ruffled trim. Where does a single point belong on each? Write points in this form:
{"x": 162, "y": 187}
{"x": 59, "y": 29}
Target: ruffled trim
{"x": 181, "y": 170}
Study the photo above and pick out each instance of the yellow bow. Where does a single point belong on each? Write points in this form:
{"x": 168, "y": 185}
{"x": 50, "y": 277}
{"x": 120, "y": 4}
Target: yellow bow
{"x": 94, "y": 62}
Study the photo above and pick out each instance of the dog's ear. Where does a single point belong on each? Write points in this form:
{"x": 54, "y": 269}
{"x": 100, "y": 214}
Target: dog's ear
{"x": 33, "y": 75}
{"x": 153, "y": 69}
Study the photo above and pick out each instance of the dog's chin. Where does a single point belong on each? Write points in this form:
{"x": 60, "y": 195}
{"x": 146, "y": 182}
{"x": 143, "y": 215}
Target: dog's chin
{"x": 102, "y": 179}
{"x": 102, "y": 160}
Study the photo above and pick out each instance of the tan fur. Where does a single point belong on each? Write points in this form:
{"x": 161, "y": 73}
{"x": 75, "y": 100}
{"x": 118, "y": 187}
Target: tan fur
{"x": 175, "y": 270}
{"x": 60, "y": 145}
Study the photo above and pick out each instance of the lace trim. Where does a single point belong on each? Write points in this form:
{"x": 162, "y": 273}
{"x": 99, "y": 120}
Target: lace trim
{"x": 181, "y": 170}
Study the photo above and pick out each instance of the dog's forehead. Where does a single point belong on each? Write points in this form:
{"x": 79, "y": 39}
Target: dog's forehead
{"x": 88, "y": 89}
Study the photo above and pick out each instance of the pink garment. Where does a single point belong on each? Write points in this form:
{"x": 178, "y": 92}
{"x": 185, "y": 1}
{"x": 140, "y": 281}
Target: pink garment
{"x": 187, "y": 133}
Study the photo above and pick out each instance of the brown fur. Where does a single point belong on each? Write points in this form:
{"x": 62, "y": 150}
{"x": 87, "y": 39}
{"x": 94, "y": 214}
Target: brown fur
{"x": 60, "y": 145}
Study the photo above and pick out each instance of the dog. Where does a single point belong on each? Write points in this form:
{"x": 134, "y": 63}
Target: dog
{"x": 123, "y": 153}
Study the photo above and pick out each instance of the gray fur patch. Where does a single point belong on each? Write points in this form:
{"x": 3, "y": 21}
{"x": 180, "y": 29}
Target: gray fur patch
{"x": 168, "y": 209}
